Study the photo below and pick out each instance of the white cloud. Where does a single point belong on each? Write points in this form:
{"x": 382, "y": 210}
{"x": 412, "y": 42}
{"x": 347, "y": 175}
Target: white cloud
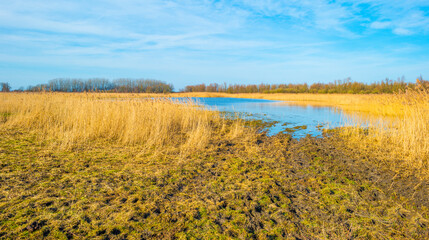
{"x": 402, "y": 31}
{"x": 380, "y": 25}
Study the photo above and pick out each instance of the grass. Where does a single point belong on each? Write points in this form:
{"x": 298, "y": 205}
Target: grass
{"x": 401, "y": 139}
{"x": 396, "y": 125}
{"x": 285, "y": 189}
{"x": 74, "y": 120}
{"x": 116, "y": 166}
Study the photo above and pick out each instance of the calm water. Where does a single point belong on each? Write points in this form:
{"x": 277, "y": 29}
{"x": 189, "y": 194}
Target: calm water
{"x": 285, "y": 113}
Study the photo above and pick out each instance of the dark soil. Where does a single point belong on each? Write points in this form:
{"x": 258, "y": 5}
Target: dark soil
{"x": 284, "y": 189}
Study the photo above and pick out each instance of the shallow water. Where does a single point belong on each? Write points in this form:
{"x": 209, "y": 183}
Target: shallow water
{"x": 287, "y": 114}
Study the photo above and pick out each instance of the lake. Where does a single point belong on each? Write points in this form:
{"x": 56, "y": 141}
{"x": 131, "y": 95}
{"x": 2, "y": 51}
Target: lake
{"x": 289, "y": 116}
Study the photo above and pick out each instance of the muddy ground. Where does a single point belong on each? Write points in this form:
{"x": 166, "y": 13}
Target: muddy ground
{"x": 287, "y": 189}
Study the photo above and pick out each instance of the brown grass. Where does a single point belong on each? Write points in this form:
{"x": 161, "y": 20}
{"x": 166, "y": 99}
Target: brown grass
{"x": 80, "y": 119}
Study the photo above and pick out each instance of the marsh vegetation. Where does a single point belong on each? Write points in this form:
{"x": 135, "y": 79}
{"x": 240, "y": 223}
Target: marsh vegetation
{"x": 139, "y": 166}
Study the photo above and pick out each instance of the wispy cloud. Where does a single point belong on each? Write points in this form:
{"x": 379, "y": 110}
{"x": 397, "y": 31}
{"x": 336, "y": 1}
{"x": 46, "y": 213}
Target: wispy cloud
{"x": 193, "y": 40}
{"x": 401, "y": 17}
{"x": 380, "y": 25}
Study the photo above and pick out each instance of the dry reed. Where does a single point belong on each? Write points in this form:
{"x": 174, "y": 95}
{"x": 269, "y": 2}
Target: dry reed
{"x": 401, "y": 139}
{"x": 393, "y": 127}
{"x": 78, "y": 119}
{"x": 398, "y": 128}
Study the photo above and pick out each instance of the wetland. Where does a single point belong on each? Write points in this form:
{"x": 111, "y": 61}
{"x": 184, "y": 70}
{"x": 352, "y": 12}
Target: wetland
{"x": 75, "y": 167}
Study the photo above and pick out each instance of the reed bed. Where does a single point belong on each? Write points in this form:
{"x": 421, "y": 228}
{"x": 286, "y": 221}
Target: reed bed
{"x": 395, "y": 126}
{"x": 401, "y": 139}
{"x": 74, "y": 120}
{"x": 391, "y": 127}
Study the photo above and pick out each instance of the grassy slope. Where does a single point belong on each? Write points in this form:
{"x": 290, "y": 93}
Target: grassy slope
{"x": 285, "y": 189}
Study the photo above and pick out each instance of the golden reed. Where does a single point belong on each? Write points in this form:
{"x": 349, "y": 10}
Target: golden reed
{"x": 392, "y": 126}
{"x": 397, "y": 129}
{"x": 76, "y": 119}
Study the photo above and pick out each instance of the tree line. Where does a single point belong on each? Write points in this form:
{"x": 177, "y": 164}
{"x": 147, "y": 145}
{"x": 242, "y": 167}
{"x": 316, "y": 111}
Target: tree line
{"x": 338, "y": 86}
{"x": 127, "y": 85}
{"x": 123, "y": 85}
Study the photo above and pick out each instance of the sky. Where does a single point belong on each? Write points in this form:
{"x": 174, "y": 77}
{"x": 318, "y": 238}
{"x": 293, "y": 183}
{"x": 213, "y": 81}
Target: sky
{"x": 200, "y": 41}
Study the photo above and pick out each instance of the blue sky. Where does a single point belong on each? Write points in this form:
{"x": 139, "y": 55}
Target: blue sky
{"x": 189, "y": 42}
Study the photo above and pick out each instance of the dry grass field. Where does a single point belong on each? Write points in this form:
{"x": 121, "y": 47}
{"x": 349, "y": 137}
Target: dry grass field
{"x": 130, "y": 166}
{"x": 73, "y": 120}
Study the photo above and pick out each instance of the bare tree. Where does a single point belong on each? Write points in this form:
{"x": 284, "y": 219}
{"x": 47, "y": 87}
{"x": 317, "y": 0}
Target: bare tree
{"x": 4, "y": 87}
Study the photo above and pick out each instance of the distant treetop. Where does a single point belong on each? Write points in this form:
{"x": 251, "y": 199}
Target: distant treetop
{"x": 123, "y": 85}
{"x": 345, "y": 86}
